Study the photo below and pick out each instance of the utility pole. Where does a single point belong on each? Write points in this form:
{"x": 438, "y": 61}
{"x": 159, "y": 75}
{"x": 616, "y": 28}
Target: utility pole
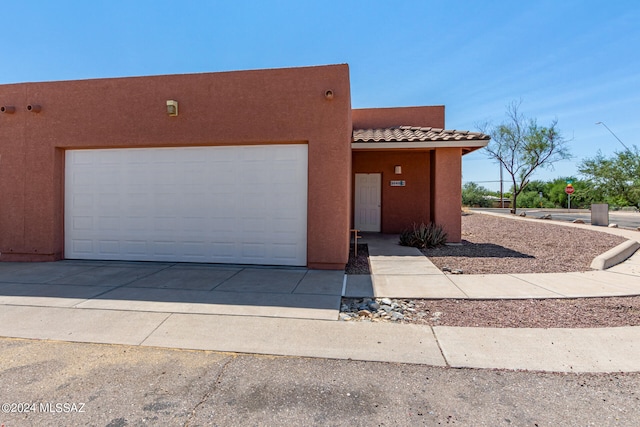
{"x": 501, "y": 192}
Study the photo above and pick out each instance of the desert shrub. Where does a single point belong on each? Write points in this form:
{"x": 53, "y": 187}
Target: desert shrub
{"x": 475, "y": 195}
{"x": 423, "y": 236}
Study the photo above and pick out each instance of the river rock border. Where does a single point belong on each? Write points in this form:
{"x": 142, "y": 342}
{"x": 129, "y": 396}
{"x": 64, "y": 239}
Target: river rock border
{"x": 382, "y": 310}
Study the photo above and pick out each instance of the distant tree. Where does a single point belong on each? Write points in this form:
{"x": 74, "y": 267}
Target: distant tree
{"x": 537, "y": 186}
{"x": 582, "y": 197}
{"x": 522, "y": 146}
{"x": 475, "y": 195}
{"x": 530, "y": 197}
{"x": 616, "y": 180}
{"x": 554, "y": 195}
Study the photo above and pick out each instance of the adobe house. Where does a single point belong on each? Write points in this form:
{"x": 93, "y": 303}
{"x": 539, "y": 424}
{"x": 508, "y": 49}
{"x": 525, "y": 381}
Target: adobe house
{"x": 253, "y": 167}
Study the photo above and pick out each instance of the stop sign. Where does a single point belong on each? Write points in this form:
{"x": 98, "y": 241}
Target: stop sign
{"x": 569, "y": 189}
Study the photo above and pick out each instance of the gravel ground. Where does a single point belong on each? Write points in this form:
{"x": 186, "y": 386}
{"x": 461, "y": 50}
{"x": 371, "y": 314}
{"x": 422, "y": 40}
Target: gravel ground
{"x": 501, "y": 245}
{"x": 358, "y": 264}
{"x": 532, "y": 313}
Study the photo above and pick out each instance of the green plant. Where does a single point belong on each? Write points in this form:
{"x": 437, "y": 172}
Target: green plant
{"x": 475, "y": 195}
{"x": 423, "y": 236}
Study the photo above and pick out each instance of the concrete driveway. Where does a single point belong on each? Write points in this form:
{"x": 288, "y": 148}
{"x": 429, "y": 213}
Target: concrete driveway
{"x": 174, "y": 288}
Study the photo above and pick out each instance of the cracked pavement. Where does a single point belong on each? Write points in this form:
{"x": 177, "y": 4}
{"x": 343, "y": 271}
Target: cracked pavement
{"x": 122, "y": 385}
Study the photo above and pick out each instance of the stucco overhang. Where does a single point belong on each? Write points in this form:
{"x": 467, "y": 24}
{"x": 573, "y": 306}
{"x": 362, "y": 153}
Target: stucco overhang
{"x": 417, "y": 138}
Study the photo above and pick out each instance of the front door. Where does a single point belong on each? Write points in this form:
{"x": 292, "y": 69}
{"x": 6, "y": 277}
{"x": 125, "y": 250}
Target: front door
{"x": 367, "y": 203}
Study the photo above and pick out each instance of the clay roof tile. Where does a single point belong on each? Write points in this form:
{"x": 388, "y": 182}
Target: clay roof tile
{"x": 413, "y": 134}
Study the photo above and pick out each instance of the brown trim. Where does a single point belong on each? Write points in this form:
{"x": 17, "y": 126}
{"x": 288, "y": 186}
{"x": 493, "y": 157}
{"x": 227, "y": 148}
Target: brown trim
{"x": 326, "y": 266}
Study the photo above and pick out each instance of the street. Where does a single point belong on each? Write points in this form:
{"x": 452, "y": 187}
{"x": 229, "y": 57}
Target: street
{"x": 630, "y": 220}
{"x": 71, "y": 384}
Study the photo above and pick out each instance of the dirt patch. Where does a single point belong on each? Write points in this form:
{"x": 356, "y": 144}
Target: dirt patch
{"x": 531, "y": 313}
{"x": 505, "y": 246}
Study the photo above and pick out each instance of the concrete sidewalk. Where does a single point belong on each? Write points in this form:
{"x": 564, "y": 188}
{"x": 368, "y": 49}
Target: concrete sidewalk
{"x": 558, "y": 350}
{"x": 403, "y": 272}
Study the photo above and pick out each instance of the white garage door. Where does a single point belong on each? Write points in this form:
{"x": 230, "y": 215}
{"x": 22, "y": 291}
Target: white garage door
{"x": 245, "y": 205}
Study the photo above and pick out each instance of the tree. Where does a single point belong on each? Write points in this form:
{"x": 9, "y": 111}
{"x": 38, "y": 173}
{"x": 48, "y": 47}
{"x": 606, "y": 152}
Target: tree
{"x": 530, "y": 197}
{"x": 615, "y": 180}
{"x": 521, "y": 146}
{"x": 475, "y": 195}
{"x": 581, "y": 198}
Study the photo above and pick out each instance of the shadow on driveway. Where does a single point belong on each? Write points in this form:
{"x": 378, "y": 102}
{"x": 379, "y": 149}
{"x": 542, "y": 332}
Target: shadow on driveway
{"x": 176, "y": 288}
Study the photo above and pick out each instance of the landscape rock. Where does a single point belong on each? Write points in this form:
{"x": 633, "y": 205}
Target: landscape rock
{"x": 523, "y": 214}
{"x": 397, "y": 316}
{"x": 613, "y": 225}
{"x": 344, "y": 316}
{"x": 457, "y": 271}
{"x": 385, "y": 301}
{"x": 578, "y": 221}
{"x": 396, "y": 311}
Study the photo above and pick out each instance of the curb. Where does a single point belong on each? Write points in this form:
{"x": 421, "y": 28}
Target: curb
{"x": 615, "y": 255}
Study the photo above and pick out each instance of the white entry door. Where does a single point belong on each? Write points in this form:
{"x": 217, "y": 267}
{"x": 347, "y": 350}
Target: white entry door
{"x": 367, "y": 203}
{"x": 237, "y": 204}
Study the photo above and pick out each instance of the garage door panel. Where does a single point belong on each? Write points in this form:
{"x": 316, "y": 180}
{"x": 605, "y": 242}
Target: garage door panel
{"x": 84, "y": 223}
{"x": 165, "y": 224}
{"x": 82, "y": 246}
{"x": 108, "y": 223}
{"x": 194, "y": 224}
{"x": 132, "y": 224}
{"x": 206, "y": 204}
{"x": 134, "y": 248}
{"x": 109, "y": 247}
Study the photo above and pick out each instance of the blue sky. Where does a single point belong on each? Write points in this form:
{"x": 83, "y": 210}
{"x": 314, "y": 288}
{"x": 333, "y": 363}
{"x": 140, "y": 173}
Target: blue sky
{"x": 574, "y": 61}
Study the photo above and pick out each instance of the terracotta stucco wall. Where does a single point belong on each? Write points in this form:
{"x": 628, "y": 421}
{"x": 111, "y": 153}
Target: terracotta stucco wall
{"x": 234, "y": 108}
{"x": 400, "y": 206}
{"x": 371, "y": 118}
{"x": 446, "y": 186}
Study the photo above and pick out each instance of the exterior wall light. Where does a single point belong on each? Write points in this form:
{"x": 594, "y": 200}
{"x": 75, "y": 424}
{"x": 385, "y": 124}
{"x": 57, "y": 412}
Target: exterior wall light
{"x": 34, "y": 108}
{"x": 7, "y": 109}
{"x": 397, "y": 170}
{"x": 172, "y": 108}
